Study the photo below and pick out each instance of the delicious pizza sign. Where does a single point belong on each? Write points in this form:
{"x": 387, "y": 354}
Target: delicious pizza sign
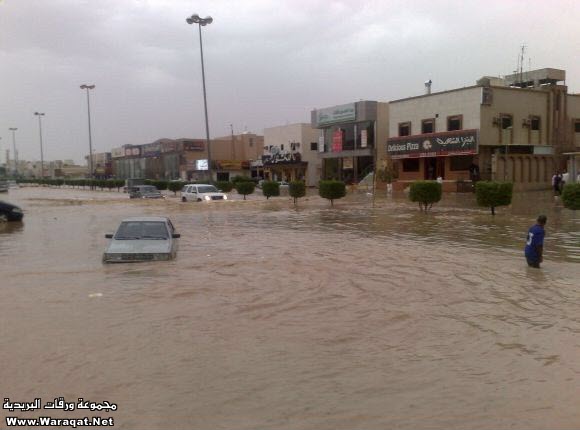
{"x": 461, "y": 142}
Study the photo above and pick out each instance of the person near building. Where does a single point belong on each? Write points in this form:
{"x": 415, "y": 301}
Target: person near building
{"x": 535, "y": 242}
{"x": 556, "y": 180}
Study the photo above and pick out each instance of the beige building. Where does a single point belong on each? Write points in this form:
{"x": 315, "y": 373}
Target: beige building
{"x": 291, "y": 153}
{"x": 515, "y": 129}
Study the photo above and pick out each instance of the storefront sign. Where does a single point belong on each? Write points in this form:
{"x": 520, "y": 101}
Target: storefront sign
{"x": 117, "y": 152}
{"x": 462, "y": 142}
{"x": 151, "y": 150}
{"x": 282, "y": 157}
{"x": 193, "y": 146}
{"x": 201, "y": 165}
{"x": 232, "y": 165}
{"x": 336, "y": 114}
{"x": 170, "y": 146}
{"x": 337, "y": 141}
{"x": 347, "y": 163}
{"x": 132, "y": 151}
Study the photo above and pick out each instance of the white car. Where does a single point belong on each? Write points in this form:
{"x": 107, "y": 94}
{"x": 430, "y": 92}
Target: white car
{"x": 201, "y": 192}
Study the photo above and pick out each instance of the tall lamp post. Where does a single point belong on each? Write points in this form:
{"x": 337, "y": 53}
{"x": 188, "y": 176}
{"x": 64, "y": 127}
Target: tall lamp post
{"x": 13, "y": 130}
{"x": 202, "y": 22}
{"x": 40, "y": 115}
{"x": 91, "y": 171}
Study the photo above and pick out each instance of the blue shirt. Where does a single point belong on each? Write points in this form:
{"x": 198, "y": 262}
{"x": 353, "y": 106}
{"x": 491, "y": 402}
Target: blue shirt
{"x": 535, "y": 238}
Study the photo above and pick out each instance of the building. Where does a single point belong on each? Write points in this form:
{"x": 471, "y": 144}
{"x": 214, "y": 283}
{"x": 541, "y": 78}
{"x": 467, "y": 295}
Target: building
{"x": 291, "y": 153}
{"x": 237, "y": 155}
{"x": 350, "y": 136}
{"x": 515, "y": 129}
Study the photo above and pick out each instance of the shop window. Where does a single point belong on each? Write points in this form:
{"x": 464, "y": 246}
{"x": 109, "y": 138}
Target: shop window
{"x": 454, "y": 122}
{"x": 428, "y": 126}
{"x": 404, "y": 129}
{"x": 460, "y": 162}
{"x": 577, "y": 126}
{"x": 223, "y": 176}
{"x": 314, "y": 146}
{"x": 411, "y": 165}
{"x": 535, "y": 123}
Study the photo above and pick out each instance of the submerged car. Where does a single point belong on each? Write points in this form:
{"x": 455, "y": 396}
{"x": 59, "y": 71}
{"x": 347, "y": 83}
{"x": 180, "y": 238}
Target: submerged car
{"x": 3, "y": 186}
{"x": 144, "y": 192}
{"x": 9, "y": 212}
{"x": 142, "y": 239}
{"x": 201, "y": 192}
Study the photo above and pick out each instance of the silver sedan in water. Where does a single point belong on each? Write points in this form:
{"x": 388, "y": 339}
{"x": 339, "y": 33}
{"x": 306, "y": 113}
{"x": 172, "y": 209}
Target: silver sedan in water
{"x": 142, "y": 239}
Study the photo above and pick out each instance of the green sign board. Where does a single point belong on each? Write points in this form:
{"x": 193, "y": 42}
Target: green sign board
{"x": 336, "y": 114}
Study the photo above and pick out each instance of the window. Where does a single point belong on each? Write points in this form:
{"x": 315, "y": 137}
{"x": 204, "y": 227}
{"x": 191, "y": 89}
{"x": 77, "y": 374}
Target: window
{"x": 314, "y": 146}
{"x": 577, "y": 126}
{"x": 454, "y": 122}
{"x": 506, "y": 121}
{"x": 404, "y": 129}
{"x": 461, "y": 162}
{"x": 411, "y": 165}
{"x": 428, "y": 126}
{"x": 535, "y": 123}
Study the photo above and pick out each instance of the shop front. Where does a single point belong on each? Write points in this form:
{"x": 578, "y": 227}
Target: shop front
{"x": 449, "y": 157}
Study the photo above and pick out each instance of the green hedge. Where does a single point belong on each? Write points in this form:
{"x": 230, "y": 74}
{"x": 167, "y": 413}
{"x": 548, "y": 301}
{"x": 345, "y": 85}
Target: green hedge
{"x": 270, "y": 189}
{"x": 225, "y": 186}
{"x": 175, "y": 186}
{"x": 332, "y": 190}
{"x": 493, "y": 194}
{"x": 425, "y": 193}
{"x": 245, "y": 187}
{"x": 571, "y": 196}
{"x": 296, "y": 190}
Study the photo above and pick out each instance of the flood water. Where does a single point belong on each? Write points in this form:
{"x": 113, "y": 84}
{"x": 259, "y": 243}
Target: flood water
{"x": 279, "y": 318}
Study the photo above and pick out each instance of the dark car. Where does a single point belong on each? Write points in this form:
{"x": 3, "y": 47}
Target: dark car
{"x": 10, "y": 212}
{"x": 144, "y": 192}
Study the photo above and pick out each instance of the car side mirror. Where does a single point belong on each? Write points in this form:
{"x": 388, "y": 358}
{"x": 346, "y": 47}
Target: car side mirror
{"x": 176, "y": 235}
{"x": 108, "y": 236}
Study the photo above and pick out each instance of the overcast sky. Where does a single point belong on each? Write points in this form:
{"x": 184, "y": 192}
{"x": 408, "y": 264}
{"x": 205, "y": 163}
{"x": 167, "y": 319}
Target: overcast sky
{"x": 267, "y": 63}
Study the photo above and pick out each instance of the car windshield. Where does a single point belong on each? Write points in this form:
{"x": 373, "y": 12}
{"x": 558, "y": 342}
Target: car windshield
{"x": 207, "y": 189}
{"x": 135, "y": 230}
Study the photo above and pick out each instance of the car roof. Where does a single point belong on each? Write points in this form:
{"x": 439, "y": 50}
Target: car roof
{"x": 202, "y": 185}
{"x": 147, "y": 219}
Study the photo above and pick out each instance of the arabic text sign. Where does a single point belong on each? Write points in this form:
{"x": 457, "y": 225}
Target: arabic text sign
{"x": 337, "y": 141}
{"x": 336, "y": 114}
{"x": 431, "y": 145}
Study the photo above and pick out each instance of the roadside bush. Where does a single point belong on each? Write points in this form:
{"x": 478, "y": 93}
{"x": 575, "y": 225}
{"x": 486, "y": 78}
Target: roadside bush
{"x": 175, "y": 186}
{"x": 332, "y": 190}
{"x": 225, "y": 186}
{"x": 493, "y": 194}
{"x": 245, "y": 187}
{"x": 270, "y": 189}
{"x": 571, "y": 196}
{"x": 239, "y": 178}
{"x": 161, "y": 184}
{"x": 425, "y": 193}
{"x": 296, "y": 190}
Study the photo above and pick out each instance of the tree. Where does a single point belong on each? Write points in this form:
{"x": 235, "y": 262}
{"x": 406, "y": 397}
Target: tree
{"x": 425, "y": 193}
{"x": 493, "y": 194}
{"x": 245, "y": 187}
{"x": 571, "y": 196}
{"x": 175, "y": 186}
{"x": 270, "y": 189}
{"x": 332, "y": 190}
{"x": 225, "y": 186}
{"x": 296, "y": 190}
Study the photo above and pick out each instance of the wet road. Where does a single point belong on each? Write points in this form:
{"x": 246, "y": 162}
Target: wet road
{"x": 271, "y": 317}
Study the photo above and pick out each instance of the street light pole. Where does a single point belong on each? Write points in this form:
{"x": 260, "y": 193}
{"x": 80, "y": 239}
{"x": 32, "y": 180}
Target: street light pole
{"x": 13, "y": 130}
{"x": 40, "y": 115}
{"x": 202, "y": 22}
{"x": 91, "y": 171}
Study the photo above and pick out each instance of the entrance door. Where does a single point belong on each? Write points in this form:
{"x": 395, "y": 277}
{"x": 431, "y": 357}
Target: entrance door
{"x": 440, "y": 167}
{"x": 430, "y": 170}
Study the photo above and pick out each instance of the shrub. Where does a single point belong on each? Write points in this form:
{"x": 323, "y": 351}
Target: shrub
{"x": 225, "y": 186}
{"x": 332, "y": 190}
{"x": 571, "y": 196}
{"x": 425, "y": 193}
{"x": 175, "y": 186}
{"x": 493, "y": 194}
{"x": 245, "y": 187}
{"x": 270, "y": 188}
{"x": 296, "y": 190}
{"x": 239, "y": 178}
{"x": 160, "y": 184}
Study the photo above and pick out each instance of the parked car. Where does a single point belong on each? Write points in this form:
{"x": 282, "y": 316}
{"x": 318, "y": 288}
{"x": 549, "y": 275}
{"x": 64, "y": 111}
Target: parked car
{"x": 201, "y": 192}
{"x": 142, "y": 239}
{"x": 9, "y": 212}
{"x": 3, "y": 186}
{"x": 145, "y": 192}
{"x": 132, "y": 182}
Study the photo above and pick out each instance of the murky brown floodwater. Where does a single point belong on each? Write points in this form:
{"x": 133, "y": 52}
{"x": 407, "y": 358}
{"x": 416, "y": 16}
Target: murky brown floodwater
{"x": 276, "y": 318}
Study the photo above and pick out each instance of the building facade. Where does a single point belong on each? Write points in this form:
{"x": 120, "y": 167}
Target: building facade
{"x": 291, "y": 153}
{"x": 350, "y": 137}
{"x": 500, "y": 129}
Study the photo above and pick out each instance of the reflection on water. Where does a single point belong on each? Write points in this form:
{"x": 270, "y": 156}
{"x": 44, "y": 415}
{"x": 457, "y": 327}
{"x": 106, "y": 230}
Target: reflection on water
{"x": 275, "y": 317}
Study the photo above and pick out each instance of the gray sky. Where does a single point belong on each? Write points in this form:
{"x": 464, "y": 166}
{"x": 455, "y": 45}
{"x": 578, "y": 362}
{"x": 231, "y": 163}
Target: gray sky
{"x": 267, "y": 62}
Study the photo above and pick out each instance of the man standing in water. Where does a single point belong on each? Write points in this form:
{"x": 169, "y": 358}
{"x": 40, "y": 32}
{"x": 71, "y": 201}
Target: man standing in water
{"x": 535, "y": 243}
